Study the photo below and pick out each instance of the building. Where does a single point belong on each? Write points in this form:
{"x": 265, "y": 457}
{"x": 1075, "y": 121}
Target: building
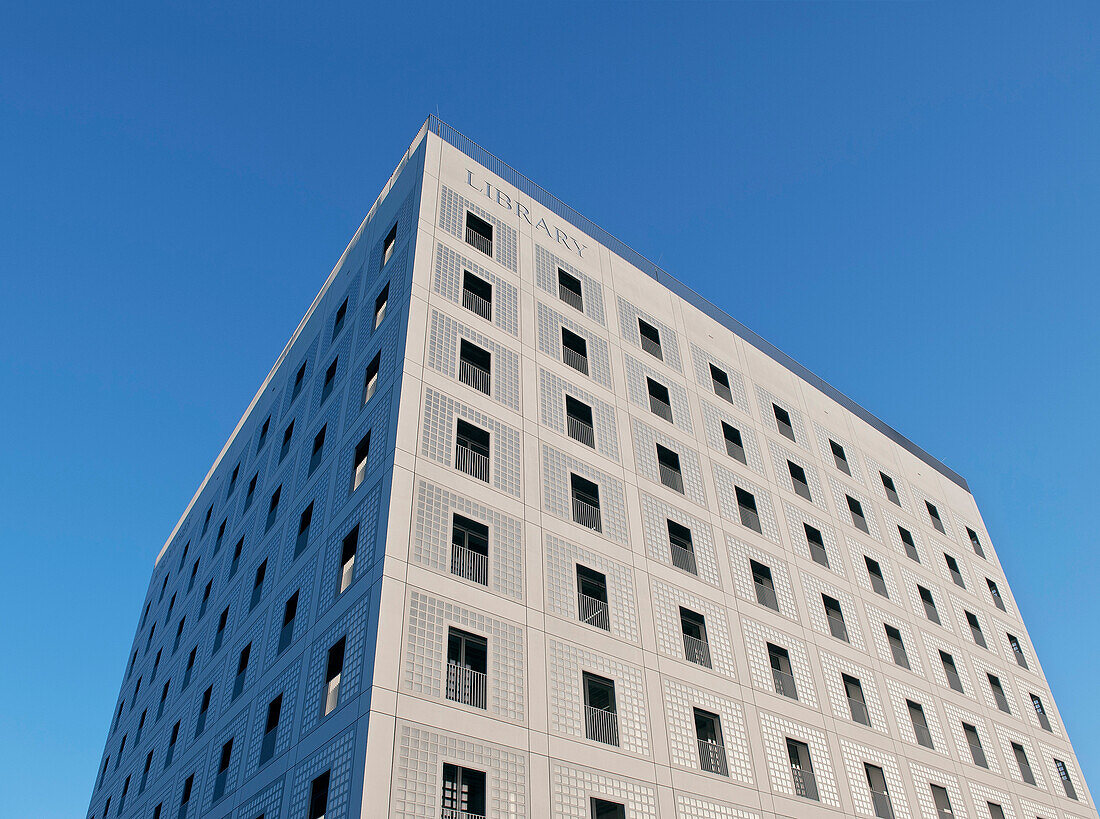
{"x": 519, "y": 525}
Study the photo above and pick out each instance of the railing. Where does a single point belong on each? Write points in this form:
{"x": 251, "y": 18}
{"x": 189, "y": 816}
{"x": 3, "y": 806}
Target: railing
{"x": 580, "y": 431}
{"x": 476, "y": 304}
{"x": 684, "y": 559}
{"x": 466, "y": 685}
{"x": 697, "y": 651}
{"x": 238, "y": 684}
{"x": 472, "y": 463}
{"x": 735, "y": 450}
{"x": 380, "y": 314}
{"x": 819, "y": 555}
{"x": 1043, "y": 720}
{"x": 671, "y": 477}
{"x": 482, "y": 243}
{"x": 923, "y": 735}
{"x": 837, "y": 627}
{"x": 722, "y": 391}
{"x": 1026, "y": 772}
{"x": 652, "y": 347}
{"x": 586, "y": 514}
{"x": 749, "y": 518}
{"x": 883, "y": 807}
{"x": 979, "y": 755}
{"x": 574, "y": 359}
{"x": 954, "y": 680}
{"x": 455, "y": 813}
{"x": 805, "y": 783}
{"x": 659, "y": 407}
{"x": 360, "y": 474}
{"x": 332, "y": 695}
{"x": 573, "y": 299}
{"x": 765, "y": 596}
{"x": 474, "y": 376}
{"x": 979, "y": 638}
{"x": 267, "y": 747}
{"x": 858, "y": 708}
{"x": 469, "y": 564}
{"x": 712, "y": 757}
{"x": 1002, "y": 703}
{"x": 601, "y": 725}
{"x": 1067, "y": 785}
{"x": 593, "y": 611}
{"x": 347, "y": 574}
{"x": 784, "y": 684}
{"x": 900, "y": 657}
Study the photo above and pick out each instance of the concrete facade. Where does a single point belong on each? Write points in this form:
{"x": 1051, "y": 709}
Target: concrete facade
{"x": 549, "y": 535}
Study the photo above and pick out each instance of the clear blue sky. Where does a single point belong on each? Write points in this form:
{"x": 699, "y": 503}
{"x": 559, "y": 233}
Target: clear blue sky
{"x": 904, "y": 197}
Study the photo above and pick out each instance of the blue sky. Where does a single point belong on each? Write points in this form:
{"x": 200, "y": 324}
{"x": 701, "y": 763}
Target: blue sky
{"x": 903, "y": 196}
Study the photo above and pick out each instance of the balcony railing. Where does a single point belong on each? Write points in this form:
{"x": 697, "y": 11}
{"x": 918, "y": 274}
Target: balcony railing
{"x": 805, "y": 783}
{"x": 267, "y": 746}
{"x": 712, "y": 757}
{"x": 332, "y": 695}
{"x": 456, "y": 813}
{"x": 472, "y": 463}
{"x": 580, "y": 431}
{"x": 347, "y": 573}
{"x": 1027, "y": 773}
{"x": 593, "y": 611}
{"x": 883, "y": 807}
{"x": 575, "y": 360}
{"x": 765, "y": 596}
{"x": 476, "y": 304}
{"x": 749, "y": 518}
{"x": 601, "y": 725}
{"x": 473, "y": 376}
{"x": 485, "y": 245}
{"x": 1043, "y": 721}
{"x": 684, "y": 559}
{"x": 978, "y": 753}
{"x": 659, "y": 407}
{"x": 586, "y": 514}
{"x": 837, "y": 627}
{"x": 697, "y": 651}
{"x": 466, "y": 685}
{"x": 469, "y": 564}
{"x": 652, "y": 347}
{"x": 923, "y": 735}
{"x": 671, "y": 477}
{"x": 784, "y": 684}
{"x": 573, "y": 299}
{"x": 859, "y": 712}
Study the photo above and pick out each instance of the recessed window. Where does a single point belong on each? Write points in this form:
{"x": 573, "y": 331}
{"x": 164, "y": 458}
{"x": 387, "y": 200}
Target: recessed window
{"x": 995, "y": 810}
{"x": 219, "y": 633}
{"x": 897, "y": 646}
{"x": 472, "y": 451}
{"x": 574, "y": 350}
{"x": 857, "y": 704}
{"x": 668, "y": 464}
{"x": 602, "y": 809}
{"x": 929, "y": 603}
{"x": 223, "y": 770}
{"x": 288, "y": 435}
{"x": 975, "y": 629}
{"x": 242, "y": 671}
{"x": 290, "y": 613}
{"x": 233, "y": 480}
{"x": 271, "y": 729}
{"x": 172, "y": 739}
{"x": 299, "y": 381}
{"x": 470, "y": 549}
{"x": 1063, "y": 774}
{"x": 251, "y": 492}
{"x": 338, "y": 321}
{"x": 304, "y": 521}
{"x": 318, "y": 797}
{"x": 1023, "y": 763}
{"x": 463, "y": 792}
{"x": 1017, "y": 650}
{"x": 746, "y": 509}
{"x": 601, "y": 715}
{"x": 204, "y": 709}
{"x": 235, "y": 562}
{"x": 942, "y": 802}
{"x": 720, "y": 381}
{"x": 205, "y": 597}
{"x": 318, "y": 451}
{"x": 920, "y": 724}
{"x": 840, "y": 457}
{"x": 998, "y": 692}
{"x": 764, "y": 584}
{"x": 780, "y": 661}
{"x": 712, "y": 749}
{"x": 334, "y": 668}
{"x": 592, "y": 606}
{"x": 891, "y": 489}
{"x": 263, "y": 433}
{"x": 349, "y": 547}
{"x": 783, "y": 421}
{"x": 934, "y": 516}
{"x": 874, "y": 573}
{"x": 273, "y": 508}
{"x": 802, "y": 769}
{"x": 951, "y": 671}
{"x": 880, "y": 795}
{"x": 694, "y": 629}
{"x": 954, "y": 571}
{"x": 359, "y": 462}
{"x": 659, "y": 401}
{"x": 205, "y": 524}
{"x": 474, "y": 366}
{"x": 816, "y": 544}
{"x": 380, "y": 304}
{"x": 651, "y": 339}
{"x": 185, "y": 800}
{"x": 977, "y": 752}
{"x": 682, "y": 547}
{"x": 477, "y": 295}
{"x": 735, "y": 446}
{"x": 586, "y": 502}
{"x": 835, "y": 617}
{"x": 388, "y": 245}
{"x": 798, "y": 480}
{"x": 258, "y": 585}
{"x": 467, "y": 668}
{"x": 1040, "y": 712}
{"x": 995, "y": 594}
{"x": 479, "y": 233}
{"x": 909, "y": 544}
{"x": 578, "y": 421}
{"x": 370, "y": 381}
{"x": 975, "y": 543}
{"x": 569, "y": 290}
{"x": 189, "y": 668}
{"x": 859, "y": 519}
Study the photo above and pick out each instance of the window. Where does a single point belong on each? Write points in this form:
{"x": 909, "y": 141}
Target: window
{"x": 942, "y": 802}
{"x": 273, "y": 508}
{"x": 592, "y": 598}
{"x": 330, "y": 379}
{"x": 299, "y": 382}
{"x": 907, "y": 541}
{"x": 205, "y": 526}
{"x": 251, "y": 492}
{"x": 735, "y": 446}
{"x": 891, "y": 489}
{"x": 602, "y": 809}
{"x": 857, "y": 705}
{"x": 694, "y": 629}
{"x": 474, "y": 367}
{"x": 934, "y": 516}
{"x": 190, "y": 667}
{"x": 780, "y": 661}
{"x": 798, "y": 480}
{"x": 929, "y": 603}
{"x": 880, "y": 796}
{"x": 173, "y": 737}
{"x": 651, "y": 339}
{"x": 204, "y": 709}
{"x": 783, "y": 421}
{"x": 318, "y": 796}
{"x": 920, "y": 724}
{"x": 223, "y": 770}
{"x": 233, "y": 480}
{"x": 975, "y": 743}
{"x": 370, "y": 381}
{"x": 263, "y": 433}
{"x": 258, "y": 585}
{"x": 859, "y": 520}
{"x": 388, "y": 245}
{"x": 286, "y": 633}
{"x": 1023, "y": 764}
{"x": 764, "y": 585}
{"x": 179, "y": 635}
{"x": 463, "y": 792}
{"x": 1017, "y": 651}
{"x": 338, "y": 322}
{"x": 574, "y": 350}
{"x": 1063, "y": 774}
{"x": 682, "y": 547}
{"x": 467, "y": 667}
{"x": 479, "y": 233}
{"x": 720, "y": 380}
{"x": 897, "y": 646}
{"x": 195, "y": 566}
{"x": 712, "y": 750}
{"x": 951, "y": 671}
{"x": 185, "y": 800}
{"x": 998, "y": 692}
{"x": 334, "y": 667}
{"x": 995, "y": 810}
{"x": 304, "y": 521}
{"x": 802, "y": 769}
{"x": 816, "y": 545}
{"x": 472, "y": 451}
{"x": 163, "y": 698}
{"x": 953, "y": 569}
{"x": 668, "y": 464}
{"x": 477, "y": 295}
{"x": 219, "y": 634}
{"x": 840, "y": 457}
{"x": 746, "y": 509}
{"x": 874, "y": 572}
{"x": 975, "y": 542}
{"x": 271, "y": 729}
{"x": 380, "y": 305}
{"x": 601, "y": 718}
{"x": 145, "y": 772}
{"x": 659, "y": 401}
{"x": 359, "y": 462}
{"x": 205, "y": 597}
{"x": 835, "y": 617}
{"x": 586, "y": 502}
{"x": 470, "y": 549}
{"x": 975, "y": 629}
{"x": 995, "y": 593}
{"x": 235, "y": 563}
{"x": 122, "y": 798}
{"x": 578, "y": 421}
{"x": 569, "y": 290}
{"x": 318, "y": 450}
{"x": 1040, "y": 712}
